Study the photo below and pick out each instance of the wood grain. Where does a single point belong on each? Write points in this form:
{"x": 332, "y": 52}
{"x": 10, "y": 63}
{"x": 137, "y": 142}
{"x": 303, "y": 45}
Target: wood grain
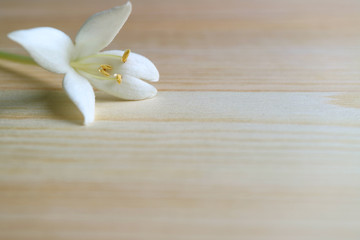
{"x": 254, "y": 134}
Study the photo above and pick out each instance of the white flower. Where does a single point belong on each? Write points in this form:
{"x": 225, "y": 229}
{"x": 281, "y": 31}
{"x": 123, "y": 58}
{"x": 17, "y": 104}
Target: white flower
{"x": 116, "y": 72}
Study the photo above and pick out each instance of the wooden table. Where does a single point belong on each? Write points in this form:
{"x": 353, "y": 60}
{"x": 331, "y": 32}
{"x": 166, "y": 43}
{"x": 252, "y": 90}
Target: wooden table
{"x": 255, "y": 132}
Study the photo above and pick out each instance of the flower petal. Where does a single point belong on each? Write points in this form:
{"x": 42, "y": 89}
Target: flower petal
{"x": 100, "y": 29}
{"x": 136, "y": 65}
{"x": 130, "y": 88}
{"x": 49, "y": 47}
{"x": 81, "y": 93}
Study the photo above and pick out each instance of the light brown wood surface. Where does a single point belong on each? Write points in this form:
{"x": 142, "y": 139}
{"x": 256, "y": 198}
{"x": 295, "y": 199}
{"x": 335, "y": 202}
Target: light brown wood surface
{"x": 255, "y": 132}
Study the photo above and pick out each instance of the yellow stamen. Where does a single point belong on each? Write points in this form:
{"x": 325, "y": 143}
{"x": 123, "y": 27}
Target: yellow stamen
{"x": 106, "y": 66}
{"x": 118, "y": 78}
{"x": 104, "y": 72}
{"x": 125, "y": 56}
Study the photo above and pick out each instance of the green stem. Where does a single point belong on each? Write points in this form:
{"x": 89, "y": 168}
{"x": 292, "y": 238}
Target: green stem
{"x": 17, "y": 58}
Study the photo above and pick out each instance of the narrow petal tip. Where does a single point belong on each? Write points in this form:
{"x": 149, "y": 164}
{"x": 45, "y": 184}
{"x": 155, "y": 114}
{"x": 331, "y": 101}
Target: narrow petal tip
{"x": 88, "y": 119}
{"x": 156, "y": 75}
{"x": 129, "y": 5}
{"x": 81, "y": 94}
{"x": 153, "y": 93}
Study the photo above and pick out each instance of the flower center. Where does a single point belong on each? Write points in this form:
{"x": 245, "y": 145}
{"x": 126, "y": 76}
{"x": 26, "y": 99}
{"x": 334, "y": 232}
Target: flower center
{"x": 104, "y": 71}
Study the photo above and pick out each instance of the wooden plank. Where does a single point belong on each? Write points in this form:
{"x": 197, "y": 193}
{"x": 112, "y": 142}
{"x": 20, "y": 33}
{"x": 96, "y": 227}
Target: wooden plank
{"x": 276, "y": 45}
{"x": 252, "y": 107}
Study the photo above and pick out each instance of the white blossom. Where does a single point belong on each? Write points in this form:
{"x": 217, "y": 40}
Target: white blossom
{"x": 119, "y": 73}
